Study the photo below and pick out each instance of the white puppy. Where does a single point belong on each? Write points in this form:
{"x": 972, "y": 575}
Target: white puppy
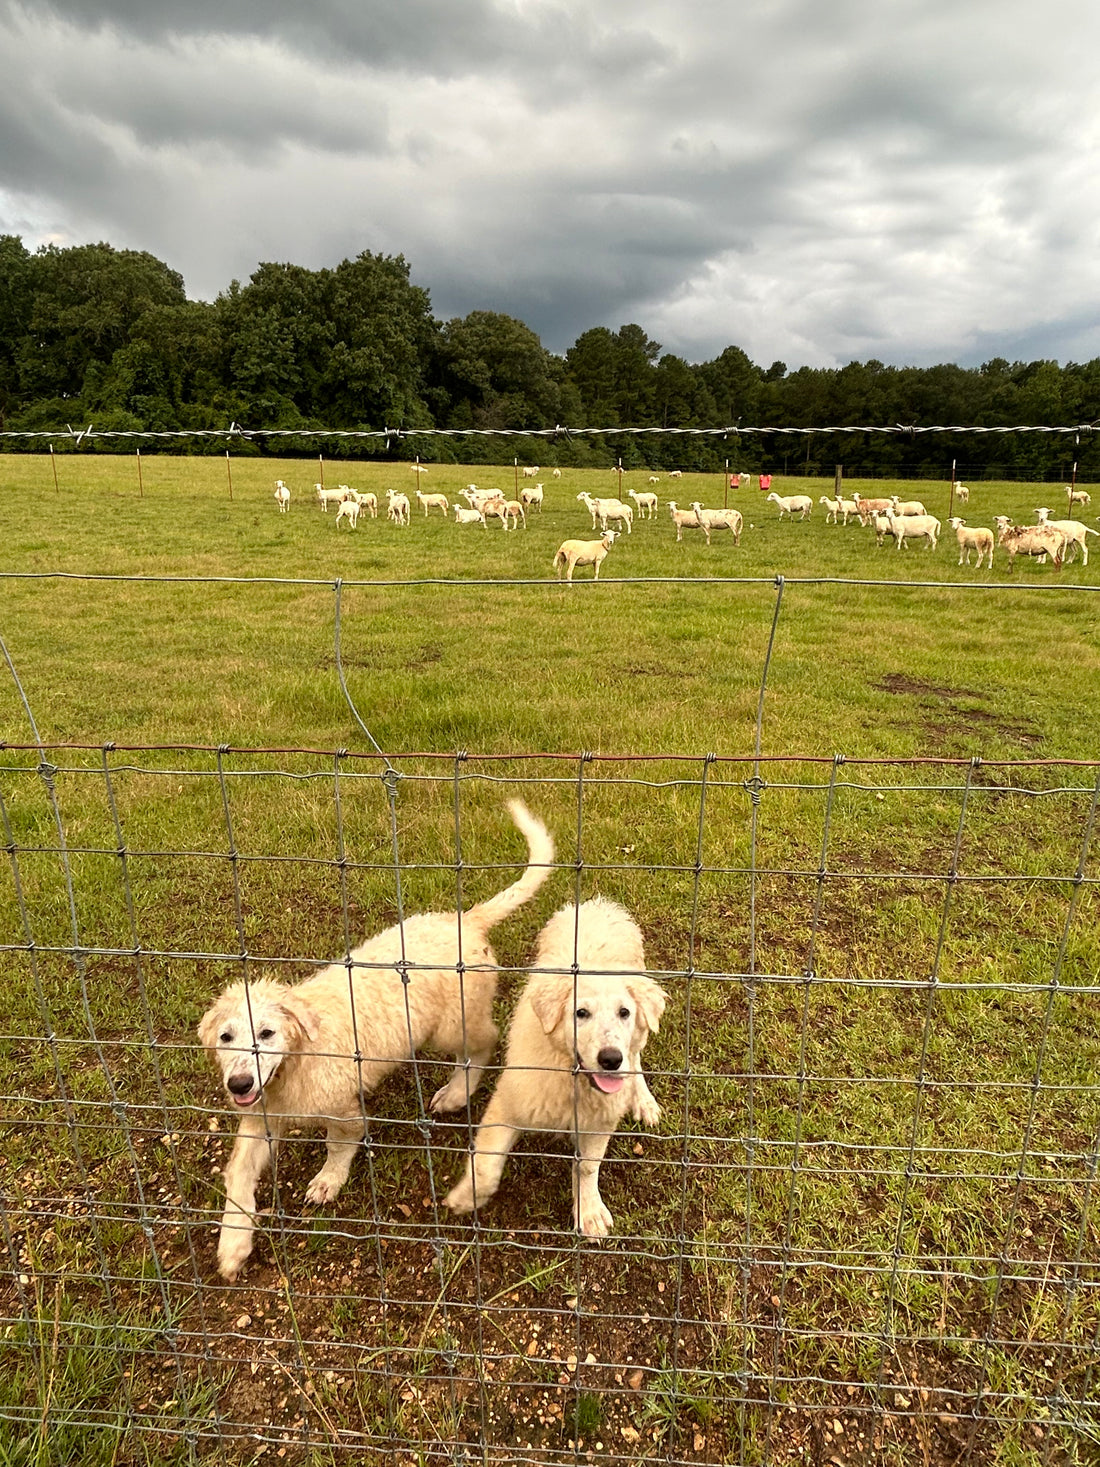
{"x": 314, "y": 1050}
{"x": 574, "y": 1055}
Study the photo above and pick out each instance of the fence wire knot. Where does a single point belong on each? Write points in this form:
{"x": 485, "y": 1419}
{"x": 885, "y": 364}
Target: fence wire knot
{"x": 755, "y": 787}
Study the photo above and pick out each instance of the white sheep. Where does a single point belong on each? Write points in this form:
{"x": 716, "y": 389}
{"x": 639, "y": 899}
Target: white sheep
{"x": 583, "y": 552}
{"x": 914, "y": 527}
{"x": 282, "y": 496}
{"x": 832, "y": 509}
{"x": 654, "y": 479}
{"x": 367, "y": 501}
{"x": 719, "y": 519}
{"x": 962, "y": 494}
{"x": 468, "y": 516}
{"x": 432, "y": 501}
{"x": 1077, "y": 496}
{"x": 531, "y": 495}
{"x": 865, "y": 508}
{"x": 476, "y": 498}
{"x": 608, "y": 509}
{"x": 348, "y": 509}
{"x": 514, "y": 511}
{"x": 675, "y": 473}
{"x": 1075, "y": 532}
{"x": 645, "y": 500}
{"x": 398, "y": 509}
{"x": 496, "y": 509}
{"x": 686, "y": 519}
{"x": 977, "y": 538}
{"x": 418, "y": 468}
{"x": 907, "y": 506}
{"x": 792, "y": 503}
{"x": 325, "y": 497}
{"x": 531, "y": 473}
{"x": 556, "y": 473}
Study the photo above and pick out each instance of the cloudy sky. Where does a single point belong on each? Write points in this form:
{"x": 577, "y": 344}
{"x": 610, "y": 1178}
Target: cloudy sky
{"x": 813, "y": 180}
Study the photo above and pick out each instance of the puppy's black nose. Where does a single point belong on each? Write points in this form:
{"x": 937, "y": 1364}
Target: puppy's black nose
{"x": 610, "y": 1059}
{"x": 239, "y": 1084}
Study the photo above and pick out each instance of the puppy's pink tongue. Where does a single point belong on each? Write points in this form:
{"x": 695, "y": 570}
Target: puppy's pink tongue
{"x": 608, "y": 1083}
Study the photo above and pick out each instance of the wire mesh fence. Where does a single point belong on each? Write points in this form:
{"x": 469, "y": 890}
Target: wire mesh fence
{"x": 862, "y": 1228}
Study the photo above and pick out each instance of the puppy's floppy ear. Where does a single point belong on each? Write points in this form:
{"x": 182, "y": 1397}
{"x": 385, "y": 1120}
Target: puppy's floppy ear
{"x": 548, "y": 999}
{"x": 300, "y": 1015}
{"x": 209, "y": 1025}
{"x": 651, "y": 999}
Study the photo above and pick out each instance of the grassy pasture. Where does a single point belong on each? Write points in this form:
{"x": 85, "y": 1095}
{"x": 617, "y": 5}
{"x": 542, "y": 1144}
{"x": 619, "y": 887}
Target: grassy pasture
{"x": 870, "y": 1201}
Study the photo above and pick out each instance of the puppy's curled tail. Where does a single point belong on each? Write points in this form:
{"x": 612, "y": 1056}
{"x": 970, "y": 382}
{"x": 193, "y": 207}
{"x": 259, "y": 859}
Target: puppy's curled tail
{"x": 540, "y": 854}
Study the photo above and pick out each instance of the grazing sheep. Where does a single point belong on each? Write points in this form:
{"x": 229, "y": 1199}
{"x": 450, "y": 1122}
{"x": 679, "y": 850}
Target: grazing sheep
{"x": 719, "y": 519}
{"x": 907, "y": 506}
{"x": 1037, "y": 540}
{"x": 418, "y": 468}
{"x": 792, "y": 503}
{"x": 914, "y": 527}
{"x": 432, "y": 501}
{"x": 978, "y": 538}
{"x": 348, "y": 509}
{"x": 531, "y": 473}
{"x": 556, "y": 473}
{"x": 962, "y": 494}
{"x": 1075, "y": 532}
{"x": 686, "y": 519}
{"x": 583, "y": 552}
{"x": 608, "y": 509}
{"x": 654, "y": 479}
{"x": 325, "y": 497}
{"x": 1078, "y": 496}
{"x": 398, "y": 507}
{"x": 645, "y": 500}
{"x": 675, "y": 473}
{"x": 282, "y": 496}
{"x": 529, "y": 496}
{"x": 469, "y": 516}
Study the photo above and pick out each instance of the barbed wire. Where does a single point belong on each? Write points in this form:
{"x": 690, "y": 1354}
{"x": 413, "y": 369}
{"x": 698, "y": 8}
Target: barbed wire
{"x": 235, "y": 433}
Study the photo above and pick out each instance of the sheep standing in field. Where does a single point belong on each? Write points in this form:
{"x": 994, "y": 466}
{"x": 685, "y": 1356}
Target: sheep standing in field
{"x": 325, "y": 497}
{"x": 469, "y": 516}
{"x": 675, "y": 473}
{"x": 478, "y": 498}
{"x": 418, "y": 468}
{"x": 914, "y": 527}
{"x": 608, "y": 509}
{"x": 583, "y": 552}
{"x": 398, "y": 508}
{"x": 348, "y": 509}
{"x": 432, "y": 501}
{"x": 514, "y": 511}
{"x": 686, "y": 519}
{"x": 282, "y": 496}
{"x": 645, "y": 500}
{"x": 962, "y": 494}
{"x": 1075, "y": 532}
{"x": 978, "y": 538}
{"x": 556, "y": 473}
{"x": 654, "y": 478}
{"x": 531, "y": 495}
{"x": 532, "y": 472}
{"x": 1078, "y": 496}
{"x": 1037, "y": 540}
{"x": 865, "y": 508}
{"x": 791, "y": 504}
{"x": 907, "y": 506}
{"x": 367, "y": 501}
{"x": 832, "y": 509}
{"x": 496, "y": 509}
{"x": 719, "y": 519}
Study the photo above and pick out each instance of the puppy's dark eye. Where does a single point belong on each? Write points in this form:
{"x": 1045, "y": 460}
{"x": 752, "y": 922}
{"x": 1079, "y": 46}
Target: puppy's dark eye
{"x": 624, "y": 1013}
{"x": 226, "y": 1038}
{"x": 582, "y": 1013}
{"x": 266, "y": 1034}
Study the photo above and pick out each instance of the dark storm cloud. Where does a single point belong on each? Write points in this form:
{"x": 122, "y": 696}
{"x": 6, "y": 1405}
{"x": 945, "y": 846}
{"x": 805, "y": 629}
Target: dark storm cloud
{"x": 907, "y": 179}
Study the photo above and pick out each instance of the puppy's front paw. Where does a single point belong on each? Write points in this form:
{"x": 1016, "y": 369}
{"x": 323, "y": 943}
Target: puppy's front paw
{"x": 647, "y": 1111}
{"x": 322, "y": 1189}
{"x": 234, "y": 1246}
{"x": 595, "y": 1221}
{"x": 461, "y": 1196}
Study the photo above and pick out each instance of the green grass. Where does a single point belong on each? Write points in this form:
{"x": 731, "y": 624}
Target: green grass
{"x": 890, "y": 1117}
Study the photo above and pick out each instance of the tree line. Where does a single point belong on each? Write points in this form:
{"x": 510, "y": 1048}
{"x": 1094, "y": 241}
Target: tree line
{"x": 94, "y": 334}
